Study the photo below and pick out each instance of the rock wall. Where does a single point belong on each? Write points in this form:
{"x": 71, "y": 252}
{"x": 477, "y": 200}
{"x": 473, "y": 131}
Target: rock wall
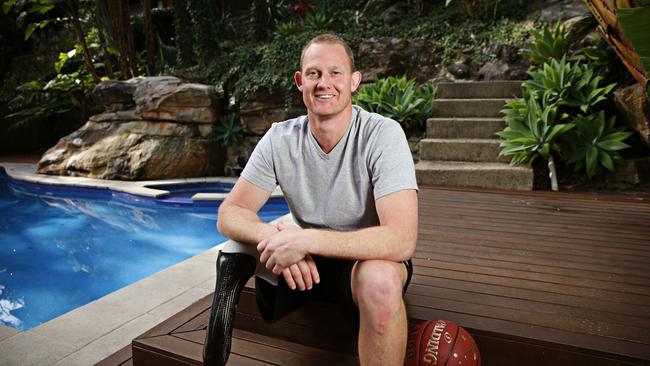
{"x": 153, "y": 128}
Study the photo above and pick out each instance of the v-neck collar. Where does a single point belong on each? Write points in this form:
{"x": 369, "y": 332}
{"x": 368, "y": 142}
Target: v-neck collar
{"x": 339, "y": 145}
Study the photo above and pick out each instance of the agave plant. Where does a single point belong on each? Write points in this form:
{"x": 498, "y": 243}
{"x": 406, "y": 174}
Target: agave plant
{"x": 228, "y": 130}
{"x": 531, "y": 130}
{"x": 568, "y": 84}
{"x": 594, "y": 143}
{"x": 548, "y": 45}
{"x": 398, "y": 98}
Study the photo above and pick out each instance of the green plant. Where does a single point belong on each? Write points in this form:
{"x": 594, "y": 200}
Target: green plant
{"x": 399, "y": 99}
{"x": 548, "y": 45}
{"x": 594, "y": 143}
{"x": 317, "y": 21}
{"x": 229, "y": 130}
{"x": 531, "y": 130}
{"x": 286, "y": 29}
{"x": 568, "y": 84}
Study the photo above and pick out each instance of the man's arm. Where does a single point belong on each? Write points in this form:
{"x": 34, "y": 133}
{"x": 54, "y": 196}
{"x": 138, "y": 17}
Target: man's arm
{"x": 394, "y": 239}
{"x": 238, "y": 218}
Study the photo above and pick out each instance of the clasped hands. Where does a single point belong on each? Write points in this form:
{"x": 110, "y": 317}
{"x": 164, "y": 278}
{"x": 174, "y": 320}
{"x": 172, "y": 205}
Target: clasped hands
{"x": 285, "y": 253}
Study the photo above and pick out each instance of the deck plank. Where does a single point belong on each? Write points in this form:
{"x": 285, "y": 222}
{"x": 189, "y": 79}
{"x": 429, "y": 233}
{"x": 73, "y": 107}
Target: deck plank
{"x": 538, "y": 278}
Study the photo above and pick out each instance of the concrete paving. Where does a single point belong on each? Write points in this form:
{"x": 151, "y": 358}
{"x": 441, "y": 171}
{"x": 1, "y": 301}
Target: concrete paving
{"x": 88, "y": 334}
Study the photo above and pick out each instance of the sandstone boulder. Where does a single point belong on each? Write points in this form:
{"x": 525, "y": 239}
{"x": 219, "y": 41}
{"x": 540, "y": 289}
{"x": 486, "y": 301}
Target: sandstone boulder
{"x": 136, "y": 150}
{"x": 634, "y": 108}
{"x": 172, "y": 100}
{"x": 258, "y": 112}
{"x": 153, "y": 128}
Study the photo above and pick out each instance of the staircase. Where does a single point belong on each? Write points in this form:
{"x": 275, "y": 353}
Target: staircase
{"x": 461, "y": 148}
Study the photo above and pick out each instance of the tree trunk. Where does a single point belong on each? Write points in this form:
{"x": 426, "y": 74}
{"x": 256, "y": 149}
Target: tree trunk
{"x": 74, "y": 10}
{"x": 114, "y": 10}
{"x": 206, "y": 36}
{"x": 183, "y": 24}
{"x": 126, "y": 27}
{"x": 149, "y": 37}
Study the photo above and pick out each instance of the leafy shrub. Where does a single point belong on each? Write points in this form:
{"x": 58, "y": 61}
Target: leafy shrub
{"x": 594, "y": 143}
{"x": 228, "y": 130}
{"x": 559, "y": 115}
{"x": 548, "y": 45}
{"x": 399, "y": 99}
{"x": 568, "y": 84}
{"x": 531, "y": 130}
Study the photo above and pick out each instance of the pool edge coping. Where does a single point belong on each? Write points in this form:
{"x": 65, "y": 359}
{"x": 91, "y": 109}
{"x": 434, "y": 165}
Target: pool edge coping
{"x": 26, "y": 172}
{"x": 85, "y": 352}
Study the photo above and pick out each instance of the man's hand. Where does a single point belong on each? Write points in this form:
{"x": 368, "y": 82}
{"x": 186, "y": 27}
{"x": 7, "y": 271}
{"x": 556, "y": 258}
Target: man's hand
{"x": 283, "y": 249}
{"x": 302, "y": 275}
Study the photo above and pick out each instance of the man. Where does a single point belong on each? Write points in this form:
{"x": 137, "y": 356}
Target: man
{"x": 348, "y": 178}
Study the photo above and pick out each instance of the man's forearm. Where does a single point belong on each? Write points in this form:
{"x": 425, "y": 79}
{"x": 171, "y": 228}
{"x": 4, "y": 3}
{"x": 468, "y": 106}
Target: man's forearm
{"x": 379, "y": 242}
{"x": 242, "y": 225}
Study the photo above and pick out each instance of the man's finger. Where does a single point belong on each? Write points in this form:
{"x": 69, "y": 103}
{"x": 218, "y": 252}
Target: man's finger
{"x": 270, "y": 262}
{"x": 312, "y": 267}
{"x": 281, "y": 226}
{"x": 288, "y": 278}
{"x": 306, "y": 274}
{"x": 264, "y": 256}
{"x": 262, "y": 245}
{"x": 297, "y": 276}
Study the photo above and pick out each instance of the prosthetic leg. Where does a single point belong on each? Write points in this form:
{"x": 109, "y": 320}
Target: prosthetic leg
{"x": 233, "y": 271}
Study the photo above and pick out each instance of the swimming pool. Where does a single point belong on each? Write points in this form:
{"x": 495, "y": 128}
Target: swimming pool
{"x": 62, "y": 247}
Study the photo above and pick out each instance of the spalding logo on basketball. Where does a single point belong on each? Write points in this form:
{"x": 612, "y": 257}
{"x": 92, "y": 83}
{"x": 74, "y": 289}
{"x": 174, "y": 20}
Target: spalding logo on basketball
{"x": 441, "y": 342}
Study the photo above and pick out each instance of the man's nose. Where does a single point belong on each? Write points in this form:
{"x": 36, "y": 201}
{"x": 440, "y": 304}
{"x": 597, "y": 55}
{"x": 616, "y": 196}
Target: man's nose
{"x": 324, "y": 81}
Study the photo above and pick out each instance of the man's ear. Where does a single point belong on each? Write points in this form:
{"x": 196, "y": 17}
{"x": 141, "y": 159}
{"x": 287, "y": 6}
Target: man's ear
{"x": 356, "y": 80}
{"x": 297, "y": 78}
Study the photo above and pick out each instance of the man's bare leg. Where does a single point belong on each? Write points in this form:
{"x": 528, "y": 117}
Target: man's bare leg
{"x": 377, "y": 290}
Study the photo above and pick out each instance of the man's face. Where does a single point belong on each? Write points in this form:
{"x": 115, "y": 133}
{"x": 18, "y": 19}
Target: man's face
{"x": 326, "y": 80}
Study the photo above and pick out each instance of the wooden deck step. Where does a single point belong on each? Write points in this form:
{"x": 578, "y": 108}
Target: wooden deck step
{"x": 537, "y": 278}
{"x": 180, "y": 339}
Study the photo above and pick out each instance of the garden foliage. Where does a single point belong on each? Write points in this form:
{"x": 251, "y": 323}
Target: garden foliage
{"x": 562, "y": 112}
{"x": 399, "y": 99}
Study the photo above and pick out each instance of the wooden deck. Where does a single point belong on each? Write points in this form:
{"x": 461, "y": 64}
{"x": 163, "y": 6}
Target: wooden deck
{"x": 537, "y": 278}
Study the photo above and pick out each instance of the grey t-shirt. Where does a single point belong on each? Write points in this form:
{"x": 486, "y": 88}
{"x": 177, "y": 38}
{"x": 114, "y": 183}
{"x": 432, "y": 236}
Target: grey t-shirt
{"x": 336, "y": 190}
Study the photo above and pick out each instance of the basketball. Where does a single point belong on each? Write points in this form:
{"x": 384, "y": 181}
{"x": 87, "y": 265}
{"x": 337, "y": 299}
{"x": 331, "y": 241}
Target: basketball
{"x": 441, "y": 342}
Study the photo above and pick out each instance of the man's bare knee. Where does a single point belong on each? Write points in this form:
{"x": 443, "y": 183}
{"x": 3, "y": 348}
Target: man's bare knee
{"x": 377, "y": 290}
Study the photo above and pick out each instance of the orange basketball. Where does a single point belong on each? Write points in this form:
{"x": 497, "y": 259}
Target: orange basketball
{"x": 441, "y": 342}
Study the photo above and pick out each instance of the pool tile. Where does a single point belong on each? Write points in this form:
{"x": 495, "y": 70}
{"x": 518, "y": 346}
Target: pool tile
{"x": 110, "y": 343}
{"x": 179, "y": 303}
{"x": 6, "y": 332}
{"x": 187, "y": 274}
{"x": 210, "y": 255}
{"x": 145, "y": 294}
{"x": 87, "y": 323}
{"x": 30, "y": 349}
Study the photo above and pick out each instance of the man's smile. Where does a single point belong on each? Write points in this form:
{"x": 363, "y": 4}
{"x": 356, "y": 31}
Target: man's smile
{"x": 325, "y": 96}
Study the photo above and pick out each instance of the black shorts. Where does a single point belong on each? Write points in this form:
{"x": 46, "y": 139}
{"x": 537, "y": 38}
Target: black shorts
{"x": 275, "y": 302}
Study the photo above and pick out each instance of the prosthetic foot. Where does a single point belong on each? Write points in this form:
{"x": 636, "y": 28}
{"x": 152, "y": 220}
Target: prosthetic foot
{"x": 233, "y": 270}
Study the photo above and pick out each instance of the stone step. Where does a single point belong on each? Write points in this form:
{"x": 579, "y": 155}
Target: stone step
{"x": 480, "y": 89}
{"x": 473, "y": 128}
{"x": 474, "y": 150}
{"x": 484, "y": 108}
{"x": 474, "y": 175}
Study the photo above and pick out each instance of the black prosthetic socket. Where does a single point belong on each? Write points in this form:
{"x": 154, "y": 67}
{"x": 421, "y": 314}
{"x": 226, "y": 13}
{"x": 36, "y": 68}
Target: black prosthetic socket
{"x": 233, "y": 271}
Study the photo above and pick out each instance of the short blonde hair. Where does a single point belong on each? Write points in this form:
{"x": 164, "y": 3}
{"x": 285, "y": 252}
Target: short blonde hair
{"x": 332, "y": 39}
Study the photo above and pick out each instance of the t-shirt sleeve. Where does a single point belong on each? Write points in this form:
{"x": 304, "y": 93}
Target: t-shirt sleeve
{"x": 391, "y": 163}
{"x": 260, "y": 168}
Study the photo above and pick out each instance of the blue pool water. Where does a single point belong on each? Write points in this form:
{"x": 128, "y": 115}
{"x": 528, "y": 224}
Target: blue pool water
{"x": 62, "y": 247}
